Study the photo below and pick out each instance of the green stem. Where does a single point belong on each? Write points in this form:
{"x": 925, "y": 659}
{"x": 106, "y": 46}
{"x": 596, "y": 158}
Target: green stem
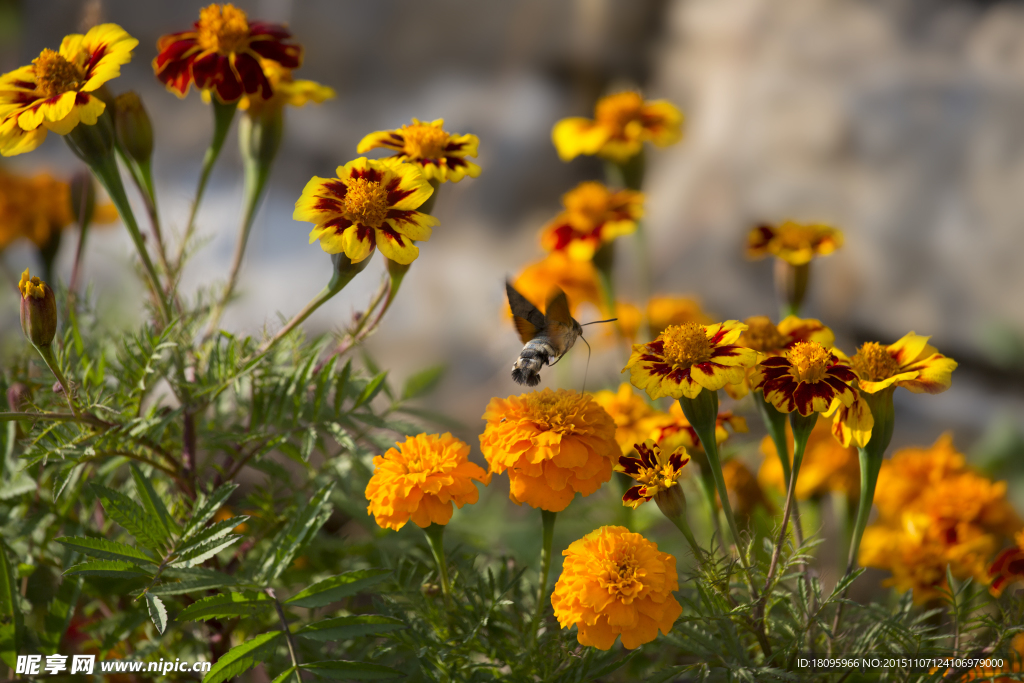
{"x": 142, "y": 176}
{"x": 775, "y": 424}
{"x": 548, "y": 520}
{"x": 604, "y": 263}
{"x": 791, "y": 285}
{"x": 871, "y": 457}
{"x": 289, "y": 639}
{"x": 707, "y": 486}
{"x": 435, "y": 539}
{"x": 47, "y": 353}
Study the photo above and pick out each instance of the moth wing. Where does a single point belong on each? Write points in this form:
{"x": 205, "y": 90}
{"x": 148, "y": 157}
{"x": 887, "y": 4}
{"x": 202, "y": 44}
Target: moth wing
{"x": 525, "y": 328}
{"x": 521, "y": 308}
{"x": 558, "y": 308}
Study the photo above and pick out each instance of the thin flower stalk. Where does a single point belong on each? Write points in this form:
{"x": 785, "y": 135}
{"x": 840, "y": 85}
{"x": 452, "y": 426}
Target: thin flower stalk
{"x": 548, "y": 521}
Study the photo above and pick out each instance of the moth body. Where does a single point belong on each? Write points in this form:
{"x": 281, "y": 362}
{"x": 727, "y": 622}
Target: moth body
{"x": 546, "y": 338}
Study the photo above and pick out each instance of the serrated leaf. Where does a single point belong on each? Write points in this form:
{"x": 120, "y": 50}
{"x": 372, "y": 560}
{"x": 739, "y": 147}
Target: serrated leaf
{"x": 226, "y": 605}
{"x": 157, "y": 612}
{"x": 343, "y": 628}
{"x": 152, "y": 502}
{"x": 283, "y": 676}
{"x": 304, "y": 526}
{"x": 352, "y": 671}
{"x": 147, "y": 529}
{"x": 243, "y": 657}
{"x": 423, "y": 382}
{"x": 19, "y": 484}
{"x": 337, "y": 587}
{"x": 208, "y": 509}
{"x": 370, "y": 390}
{"x": 105, "y": 550}
{"x": 213, "y": 580}
{"x": 199, "y": 554}
{"x": 211, "y": 533}
{"x": 108, "y": 568}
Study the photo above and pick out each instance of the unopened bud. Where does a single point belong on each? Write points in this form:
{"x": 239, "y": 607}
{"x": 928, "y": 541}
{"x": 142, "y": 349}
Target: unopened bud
{"x": 672, "y": 503}
{"x": 345, "y": 270}
{"x": 92, "y": 143}
{"x": 83, "y": 197}
{"x": 38, "y": 310}
{"x": 133, "y": 128}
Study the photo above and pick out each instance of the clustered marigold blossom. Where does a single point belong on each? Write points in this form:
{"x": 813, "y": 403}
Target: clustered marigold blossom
{"x": 370, "y": 203}
{"x": 554, "y": 444}
{"x": 439, "y": 154}
{"x": 634, "y": 418}
{"x": 622, "y": 123}
{"x": 934, "y": 511}
{"x": 769, "y": 339}
{"x": 686, "y": 359}
{"x": 795, "y": 243}
{"x": 654, "y": 468}
{"x": 911, "y": 363}
{"x": 222, "y": 54}
{"x": 578, "y": 279}
{"x": 807, "y": 379}
{"x": 826, "y": 466}
{"x": 38, "y": 207}
{"x": 594, "y": 215}
{"x": 616, "y": 583}
{"x": 421, "y": 479}
{"x": 56, "y": 91}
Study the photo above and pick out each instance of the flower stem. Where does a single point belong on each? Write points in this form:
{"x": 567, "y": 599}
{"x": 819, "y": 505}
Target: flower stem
{"x": 47, "y": 353}
{"x": 604, "y": 263}
{"x": 871, "y": 463}
{"x": 708, "y": 487}
{"x": 548, "y": 519}
{"x": 435, "y": 539}
{"x": 791, "y": 285}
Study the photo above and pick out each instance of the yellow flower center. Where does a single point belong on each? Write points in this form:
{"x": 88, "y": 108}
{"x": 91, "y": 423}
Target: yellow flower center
{"x": 762, "y": 335}
{"x": 796, "y": 236}
{"x": 56, "y": 75}
{"x": 873, "y": 362}
{"x": 554, "y": 411}
{"x": 616, "y": 111}
{"x": 223, "y": 29}
{"x": 366, "y": 202}
{"x": 809, "y": 361}
{"x": 424, "y": 142}
{"x": 589, "y": 201}
{"x": 31, "y": 286}
{"x": 623, "y": 575}
{"x": 686, "y": 344}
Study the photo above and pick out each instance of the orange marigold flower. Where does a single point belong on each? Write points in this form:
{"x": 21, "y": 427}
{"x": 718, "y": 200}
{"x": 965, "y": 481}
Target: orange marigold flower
{"x": 807, "y": 379}
{"x": 286, "y": 90}
{"x": 794, "y": 243}
{"x": 910, "y": 363}
{"x": 827, "y": 466}
{"x": 38, "y": 208}
{"x": 369, "y": 203}
{"x": 632, "y": 415}
{"x": 55, "y": 91}
{"x": 665, "y": 310}
{"x": 655, "y": 469}
{"x": 553, "y": 444}
{"x": 745, "y": 494}
{"x": 578, "y": 279}
{"x": 615, "y": 582}
{"x": 594, "y": 215}
{"x": 686, "y": 359}
{"x": 421, "y": 479}
{"x": 912, "y": 470}
{"x": 622, "y": 123}
{"x": 222, "y": 53}
{"x": 439, "y": 154}
{"x": 672, "y": 430}
{"x": 1008, "y": 567}
{"x": 1015, "y": 665}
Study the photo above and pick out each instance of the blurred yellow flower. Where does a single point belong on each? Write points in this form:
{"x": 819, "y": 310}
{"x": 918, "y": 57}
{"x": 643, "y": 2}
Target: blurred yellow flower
{"x": 594, "y": 215}
{"x": 672, "y": 430}
{"x": 910, "y": 363}
{"x": 665, "y": 310}
{"x": 745, "y": 493}
{"x": 615, "y": 582}
{"x": 553, "y": 444}
{"x": 577, "y": 279}
{"x": 794, "y": 243}
{"x": 654, "y": 468}
{"x": 622, "y": 123}
{"x": 421, "y": 479}
{"x": 827, "y": 466}
{"x": 439, "y": 154}
{"x": 39, "y": 207}
{"x": 286, "y": 90}
{"x": 633, "y": 417}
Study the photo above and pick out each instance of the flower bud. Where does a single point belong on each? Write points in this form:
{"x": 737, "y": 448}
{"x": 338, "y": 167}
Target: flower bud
{"x": 38, "y": 310}
{"x": 93, "y": 143}
{"x": 132, "y": 127}
{"x": 83, "y": 197}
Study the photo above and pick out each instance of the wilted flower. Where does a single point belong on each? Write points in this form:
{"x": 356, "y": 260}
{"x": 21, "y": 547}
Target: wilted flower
{"x": 622, "y": 123}
{"x": 439, "y": 154}
{"x": 795, "y": 243}
{"x": 578, "y": 279}
{"x": 593, "y": 215}
{"x": 615, "y": 582}
{"x": 421, "y": 479}
{"x": 807, "y": 379}
{"x": 826, "y": 466}
{"x": 553, "y": 444}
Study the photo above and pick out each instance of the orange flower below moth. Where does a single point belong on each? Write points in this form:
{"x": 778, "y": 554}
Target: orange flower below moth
{"x": 370, "y": 203}
{"x": 554, "y": 444}
{"x": 622, "y": 123}
{"x": 795, "y": 243}
{"x": 616, "y": 583}
{"x": 633, "y": 417}
{"x": 593, "y": 216}
{"x": 421, "y": 479}
{"x": 807, "y": 379}
{"x": 655, "y": 469}
{"x": 910, "y": 363}
{"x": 439, "y": 154}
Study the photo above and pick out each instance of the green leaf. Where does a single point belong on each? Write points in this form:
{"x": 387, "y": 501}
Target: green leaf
{"x": 157, "y": 612}
{"x": 283, "y": 676}
{"x": 226, "y": 605}
{"x": 59, "y": 613}
{"x": 105, "y": 550}
{"x": 370, "y": 390}
{"x": 17, "y": 485}
{"x": 423, "y": 382}
{"x": 304, "y": 526}
{"x": 343, "y": 628}
{"x": 215, "y": 579}
{"x": 351, "y": 671}
{"x": 10, "y": 615}
{"x": 147, "y": 529}
{"x": 211, "y": 533}
{"x": 208, "y": 508}
{"x": 109, "y": 568}
{"x": 337, "y": 587}
{"x": 199, "y": 554}
{"x": 152, "y": 502}
{"x": 244, "y": 657}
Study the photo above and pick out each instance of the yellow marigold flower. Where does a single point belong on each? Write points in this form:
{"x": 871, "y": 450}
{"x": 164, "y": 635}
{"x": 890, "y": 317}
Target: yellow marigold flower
{"x": 745, "y": 494}
{"x": 686, "y": 359}
{"x": 553, "y": 444}
{"x": 664, "y": 310}
{"x": 39, "y": 207}
{"x": 593, "y": 215}
{"x": 912, "y": 470}
{"x": 851, "y": 424}
{"x": 910, "y": 363}
{"x": 631, "y": 414}
{"x": 578, "y": 279}
{"x": 622, "y": 123}
{"x": 615, "y": 582}
{"x": 628, "y": 323}
{"x": 795, "y": 243}
{"x": 439, "y": 154}
{"x": 672, "y": 430}
{"x": 807, "y": 379}
{"x": 369, "y": 203}
{"x": 54, "y": 92}
{"x": 763, "y": 336}
{"x": 286, "y": 90}
{"x": 655, "y": 469}
{"x": 1008, "y": 567}
{"x": 421, "y": 479}
{"x": 827, "y": 466}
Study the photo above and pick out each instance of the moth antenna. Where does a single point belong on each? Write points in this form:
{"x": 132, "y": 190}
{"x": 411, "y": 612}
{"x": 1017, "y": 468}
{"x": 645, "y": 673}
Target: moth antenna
{"x": 609, "y": 320}
{"x": 587, "y": 367}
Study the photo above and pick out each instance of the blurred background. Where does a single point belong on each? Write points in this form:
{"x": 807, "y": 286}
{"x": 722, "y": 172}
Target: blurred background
{"x": 899, "y": 121}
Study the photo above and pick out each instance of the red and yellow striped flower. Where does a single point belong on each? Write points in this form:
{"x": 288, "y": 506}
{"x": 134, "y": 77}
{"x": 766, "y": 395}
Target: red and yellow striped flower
{"x": 795, "y": 243}
{"x": 686, "y": 359}
{"x": 672, "y": 430}
{"x": 807, "y": 379}
{"x": 622, "y": 123}
{"x": 369, "y": 203}
{"x": 594, "y": 214}
{"x": 222, "y": 53}
{"x": 1008, "y": 566}
{"x": 55, "y": 91}
{"x": 763, "y": 336}
{"x": 286, "y": 90}
{"x": 654, "y": 468}
{"x": 439, "y": 154}
{"x": 910, "y": 363}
